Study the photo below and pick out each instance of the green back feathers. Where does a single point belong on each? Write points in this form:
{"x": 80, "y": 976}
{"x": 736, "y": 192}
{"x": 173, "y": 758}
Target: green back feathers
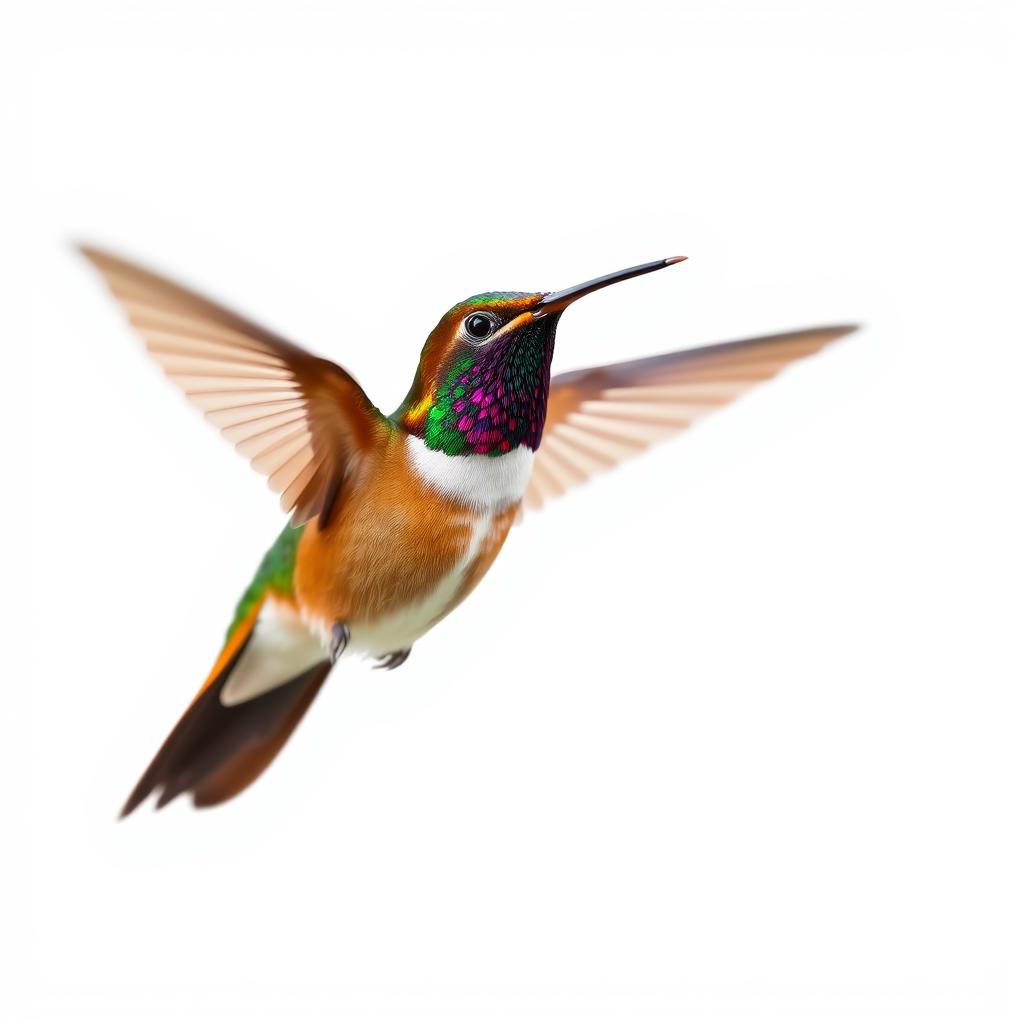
{"x": 276, "y": 573}
{"x": 495, "y": 298}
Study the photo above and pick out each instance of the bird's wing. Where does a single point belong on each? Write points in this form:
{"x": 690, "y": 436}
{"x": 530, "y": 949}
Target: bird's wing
{"x": 302, "y": 421}
{"x": 598, "y": 417}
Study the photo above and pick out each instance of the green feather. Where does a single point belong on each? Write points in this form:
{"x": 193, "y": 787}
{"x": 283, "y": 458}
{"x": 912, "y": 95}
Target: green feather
{"x": 276, "y": 573}
{"x": 440, "y": 432}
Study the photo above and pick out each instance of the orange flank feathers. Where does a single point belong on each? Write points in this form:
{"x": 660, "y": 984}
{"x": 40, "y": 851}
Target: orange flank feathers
{"x": 233, "y": 646}
{"x": 389, "y": 543}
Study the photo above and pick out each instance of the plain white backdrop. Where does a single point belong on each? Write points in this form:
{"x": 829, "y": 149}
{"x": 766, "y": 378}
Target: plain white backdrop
{"x": 732, "y": 734}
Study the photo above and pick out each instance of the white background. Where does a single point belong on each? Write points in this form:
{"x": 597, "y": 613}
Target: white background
{"x": 734, "y": 734}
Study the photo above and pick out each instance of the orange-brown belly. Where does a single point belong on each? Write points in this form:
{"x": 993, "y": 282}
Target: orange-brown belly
{"x": 396, "y": 557}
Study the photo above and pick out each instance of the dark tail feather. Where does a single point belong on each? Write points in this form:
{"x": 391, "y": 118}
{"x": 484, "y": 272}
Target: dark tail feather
{"x": 216, "y": 751}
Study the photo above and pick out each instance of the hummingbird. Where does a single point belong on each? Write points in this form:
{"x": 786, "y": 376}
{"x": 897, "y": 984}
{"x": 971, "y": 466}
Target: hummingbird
{"x": 394, "y": 519}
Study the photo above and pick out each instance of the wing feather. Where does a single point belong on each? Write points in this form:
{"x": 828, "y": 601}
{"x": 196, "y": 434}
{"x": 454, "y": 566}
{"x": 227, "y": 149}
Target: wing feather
{"x": 302, "y": 421}
{"x": 601, "y": 416}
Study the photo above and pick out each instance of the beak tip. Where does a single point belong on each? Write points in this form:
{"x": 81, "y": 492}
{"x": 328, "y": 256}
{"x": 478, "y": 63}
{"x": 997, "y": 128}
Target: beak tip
{"x": 553, "y": 302}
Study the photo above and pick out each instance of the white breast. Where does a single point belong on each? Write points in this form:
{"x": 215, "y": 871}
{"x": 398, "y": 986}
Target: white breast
{"x": 485, "y": 482}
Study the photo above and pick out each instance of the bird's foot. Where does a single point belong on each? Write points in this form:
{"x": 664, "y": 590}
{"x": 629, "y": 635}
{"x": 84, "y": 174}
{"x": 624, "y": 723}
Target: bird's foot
{"x": 340, "y": 634}
{"x": 393, "y": 660}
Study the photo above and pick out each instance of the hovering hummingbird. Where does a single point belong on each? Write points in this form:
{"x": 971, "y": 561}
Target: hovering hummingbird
{"x": 394, "y": 519}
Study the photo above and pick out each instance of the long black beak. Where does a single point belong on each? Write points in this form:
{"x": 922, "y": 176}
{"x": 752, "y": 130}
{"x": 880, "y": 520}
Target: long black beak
{"x": 555, "y": 302}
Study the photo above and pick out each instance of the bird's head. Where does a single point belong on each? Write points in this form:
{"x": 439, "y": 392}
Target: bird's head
{"x": 481, "y": 386}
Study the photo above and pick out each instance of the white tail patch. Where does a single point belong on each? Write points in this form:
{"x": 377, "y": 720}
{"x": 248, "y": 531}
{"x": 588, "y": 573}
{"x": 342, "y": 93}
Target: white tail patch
{"x": 281, "y": 647}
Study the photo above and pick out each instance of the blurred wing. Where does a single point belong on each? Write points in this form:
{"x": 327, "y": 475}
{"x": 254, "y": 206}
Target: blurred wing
{"x": 301, "y": 421}
{"x": 599, "y": 417}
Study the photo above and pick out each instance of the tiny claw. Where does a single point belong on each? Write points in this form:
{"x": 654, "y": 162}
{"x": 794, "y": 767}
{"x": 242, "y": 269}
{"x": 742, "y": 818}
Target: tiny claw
{"x": 340, "y": 635}
{"x": 393, "y": 660}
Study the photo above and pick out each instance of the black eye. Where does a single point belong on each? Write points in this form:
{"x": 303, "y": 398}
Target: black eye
{"x": 479, "y": 326}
